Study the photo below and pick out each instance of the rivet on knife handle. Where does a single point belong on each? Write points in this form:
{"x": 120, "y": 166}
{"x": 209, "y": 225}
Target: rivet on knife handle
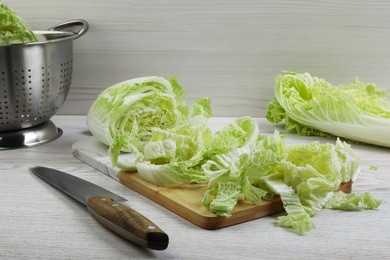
{"x": 127, "y": 223}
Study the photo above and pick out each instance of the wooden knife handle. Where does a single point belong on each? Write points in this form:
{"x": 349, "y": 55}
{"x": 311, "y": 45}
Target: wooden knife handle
{"x": 127, "y": 223}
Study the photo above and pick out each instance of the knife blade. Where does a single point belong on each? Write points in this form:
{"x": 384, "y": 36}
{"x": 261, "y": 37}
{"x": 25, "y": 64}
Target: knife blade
{"x": 105, "y": 207}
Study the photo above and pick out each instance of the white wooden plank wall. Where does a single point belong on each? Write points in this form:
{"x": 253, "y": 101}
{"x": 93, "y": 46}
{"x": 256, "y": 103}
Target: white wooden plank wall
{"x": 228, "y": 50}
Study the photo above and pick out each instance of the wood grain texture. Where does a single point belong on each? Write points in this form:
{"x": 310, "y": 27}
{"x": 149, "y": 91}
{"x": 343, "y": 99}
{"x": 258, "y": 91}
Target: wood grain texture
{"x": 230, "y": 51}
{"x": 127, "y": 223}
{"x": 39, "y": 222}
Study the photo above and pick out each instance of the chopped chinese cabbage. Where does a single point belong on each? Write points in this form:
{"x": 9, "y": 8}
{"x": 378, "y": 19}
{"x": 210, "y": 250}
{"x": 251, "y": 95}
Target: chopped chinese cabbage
{"x": 311, "y": 106}
{"x": 13, "y": 29}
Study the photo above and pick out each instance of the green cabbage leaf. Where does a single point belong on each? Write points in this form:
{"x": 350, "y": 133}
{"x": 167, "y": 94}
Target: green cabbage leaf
{"x": 352, "y": 201}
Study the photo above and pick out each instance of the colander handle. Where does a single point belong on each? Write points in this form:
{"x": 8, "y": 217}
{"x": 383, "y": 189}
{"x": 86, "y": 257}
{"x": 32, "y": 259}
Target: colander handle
{"x": 78, "y": 26}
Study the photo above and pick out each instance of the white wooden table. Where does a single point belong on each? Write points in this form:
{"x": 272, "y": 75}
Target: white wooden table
{"x": 39, "y": 222}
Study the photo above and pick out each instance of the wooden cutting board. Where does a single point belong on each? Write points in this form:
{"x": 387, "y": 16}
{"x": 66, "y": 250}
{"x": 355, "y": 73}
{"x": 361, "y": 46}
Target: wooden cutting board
{"x": 185, "y": 200}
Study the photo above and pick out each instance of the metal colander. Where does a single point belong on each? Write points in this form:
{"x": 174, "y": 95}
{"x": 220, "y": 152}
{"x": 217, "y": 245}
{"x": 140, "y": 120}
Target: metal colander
{"x": 35, "y": 77}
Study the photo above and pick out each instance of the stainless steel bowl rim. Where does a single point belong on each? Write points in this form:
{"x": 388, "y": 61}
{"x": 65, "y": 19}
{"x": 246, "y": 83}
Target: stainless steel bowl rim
{"x": 58, "y": 30}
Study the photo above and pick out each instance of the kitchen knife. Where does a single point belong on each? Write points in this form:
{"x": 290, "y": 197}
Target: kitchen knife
{"x": 105, "y": 207}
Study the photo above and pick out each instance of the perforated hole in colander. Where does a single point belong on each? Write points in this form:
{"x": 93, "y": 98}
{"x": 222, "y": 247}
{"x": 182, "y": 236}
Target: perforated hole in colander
{"x": 43, "y": 93}
{"x": 65, "y": 81}
{"x": 4, "y": 113}
{"x": 23, "y": 96}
